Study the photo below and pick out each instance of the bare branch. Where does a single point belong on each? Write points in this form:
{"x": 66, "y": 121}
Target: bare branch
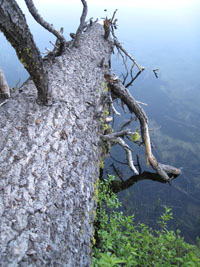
{"x": 109, "y": 137}
{"x": 133, "y": 78}
{"x": 118, "y": 89}
{"x": 4, "y": 88}
{"x": 126, "y": 123}
{"x": 115, "y": 139}
{"x": 112, "y": 106}
{"x": 118, "y": 186}
{"x": 82, "y": 24}
{"x": 128, "y": 55}
{"x": 49, "y": 27}
{"x": 113, "y": 16}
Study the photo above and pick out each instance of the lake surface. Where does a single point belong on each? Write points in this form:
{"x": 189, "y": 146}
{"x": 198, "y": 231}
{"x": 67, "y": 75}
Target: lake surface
{"x": 167, "y": 38}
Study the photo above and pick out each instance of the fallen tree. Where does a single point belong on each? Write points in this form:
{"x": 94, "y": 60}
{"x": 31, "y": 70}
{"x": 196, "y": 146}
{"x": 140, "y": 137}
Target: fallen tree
{"x": 52, "y": 138}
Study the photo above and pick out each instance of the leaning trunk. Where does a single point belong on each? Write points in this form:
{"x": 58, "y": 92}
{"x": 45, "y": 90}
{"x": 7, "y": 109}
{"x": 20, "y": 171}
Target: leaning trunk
{"x": 49, "y": 161}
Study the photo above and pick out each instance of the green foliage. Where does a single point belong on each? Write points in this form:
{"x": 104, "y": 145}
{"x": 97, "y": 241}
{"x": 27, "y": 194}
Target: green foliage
{"x": 120, "y": 242}
{"x": 135, "y": 137}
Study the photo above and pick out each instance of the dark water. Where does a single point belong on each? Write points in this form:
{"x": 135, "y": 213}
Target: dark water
{"x": 168, "y": 39}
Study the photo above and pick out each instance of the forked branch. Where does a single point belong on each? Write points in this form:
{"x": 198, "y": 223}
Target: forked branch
{"x": 118, "y": 89}
{"x": 115, "y": 138}
{"x": 118, "y": 45}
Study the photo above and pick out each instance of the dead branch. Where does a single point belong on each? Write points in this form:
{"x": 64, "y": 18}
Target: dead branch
{"x": 118, "y": 186}
{"x": 4, "y": 88}
{"x": 126, "y": 123}
{"x": 133, "y": 78}
{"x": 106, "y": 26}
{"x": 113, "y": 16}
{"x": 112, "y": 106}
{"x": 118, "y": 89}
{"x": 49, "y": 27}
{"x": 82, "y": 24}
{"x": 117, "y": 44}
{"x": 115, "y": 138}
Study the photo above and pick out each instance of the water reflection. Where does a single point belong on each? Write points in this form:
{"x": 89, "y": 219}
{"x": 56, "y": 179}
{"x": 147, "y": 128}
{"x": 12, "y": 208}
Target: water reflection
{"x": 175, "y": 136}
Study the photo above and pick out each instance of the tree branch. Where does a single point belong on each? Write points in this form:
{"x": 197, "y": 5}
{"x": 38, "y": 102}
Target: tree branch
{"x": 118, "y": 45}
{"x": 13, "y": 25}
{"x": 82, "y": 24}
{"x": 49, "y": 27}
{"x": 115, "y": 139}
{"x": 118, "y": 186}
{"x": 118, "y": 89}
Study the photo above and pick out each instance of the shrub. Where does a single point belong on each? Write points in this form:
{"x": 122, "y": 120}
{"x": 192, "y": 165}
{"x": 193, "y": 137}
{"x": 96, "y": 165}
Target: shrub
{"x": 120, "y": 242}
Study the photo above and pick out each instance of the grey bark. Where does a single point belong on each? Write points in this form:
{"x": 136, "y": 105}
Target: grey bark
{"x": 4, "y": 88}
{"x": 13, "y": 25}
{"x": 49, "y": 162}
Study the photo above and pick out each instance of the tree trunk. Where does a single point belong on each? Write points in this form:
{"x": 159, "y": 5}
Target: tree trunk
{"x": 49, "y": 161}
{"x": 13, "y": 25}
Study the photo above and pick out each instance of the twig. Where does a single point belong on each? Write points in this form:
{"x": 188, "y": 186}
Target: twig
{"x": 141, "y": 103}
{"x": 109, "y": 137}
{"x": 117, "y": 172}
{"x": 128, "y": 55}
{"x": 133, "y": 79}
{"x": 115, "y": 139}
{"x": 112, "y": 106}
{"x": 126, "y": 123}
{"x": 113, "y": 16}
{"x": 138, "y": 164}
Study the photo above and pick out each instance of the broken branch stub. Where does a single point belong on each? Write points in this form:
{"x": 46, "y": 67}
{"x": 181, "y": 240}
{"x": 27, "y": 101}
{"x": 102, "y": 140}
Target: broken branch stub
{"x": 4, "y": 88}
{"x": 106, "y": 26}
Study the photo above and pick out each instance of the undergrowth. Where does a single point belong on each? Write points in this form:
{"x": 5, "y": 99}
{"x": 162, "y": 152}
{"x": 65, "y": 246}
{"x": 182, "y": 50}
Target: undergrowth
{"x": 118, "y": 241}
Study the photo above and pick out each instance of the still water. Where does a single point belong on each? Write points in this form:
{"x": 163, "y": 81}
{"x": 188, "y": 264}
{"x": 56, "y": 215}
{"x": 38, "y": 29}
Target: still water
{"x": 164, "y": 37}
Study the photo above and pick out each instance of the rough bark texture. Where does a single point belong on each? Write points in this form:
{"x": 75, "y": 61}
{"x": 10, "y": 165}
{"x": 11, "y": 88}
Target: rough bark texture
{"x": 49, "y": 162}
{"x": 13, "y": 25}
{"x": 4, "y": 88}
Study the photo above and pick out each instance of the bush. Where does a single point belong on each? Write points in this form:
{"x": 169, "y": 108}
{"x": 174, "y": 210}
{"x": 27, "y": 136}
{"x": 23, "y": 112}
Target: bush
{"x": 119, "y": 242}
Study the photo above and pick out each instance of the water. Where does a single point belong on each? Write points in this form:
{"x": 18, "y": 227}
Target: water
{"x": 168, "y": 40}
{"x": 165, "y": 37}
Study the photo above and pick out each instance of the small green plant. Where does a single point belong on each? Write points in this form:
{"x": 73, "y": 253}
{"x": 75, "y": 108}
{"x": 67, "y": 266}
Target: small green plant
{"x": 135, "y": 137}
{"x": 121, "y": 242}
